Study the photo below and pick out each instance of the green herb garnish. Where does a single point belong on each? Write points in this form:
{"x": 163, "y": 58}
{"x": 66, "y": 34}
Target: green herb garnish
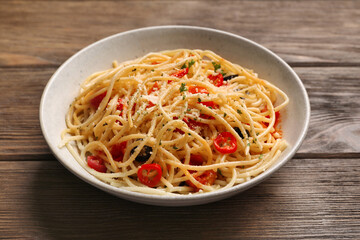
{"x": 216, "y": 66}
{"x": 192, "y": 62}
{"x": 183, "y": 87}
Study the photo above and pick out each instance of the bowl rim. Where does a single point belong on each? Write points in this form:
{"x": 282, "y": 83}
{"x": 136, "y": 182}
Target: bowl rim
{"x": 180, "y": 200}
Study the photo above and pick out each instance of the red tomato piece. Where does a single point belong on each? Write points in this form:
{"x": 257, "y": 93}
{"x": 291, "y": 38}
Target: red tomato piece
{"x": 121, "y": 105}
{"x": 150, "y": 174}
{"x": 205, "y": 116}
{"x": 95, "y": 102}
{"x": 118, "y": 151}
{"x": 197, "y": 89}
{"x": 210, "y": 104}
{"x": 225, "y": 143}
{"x": 192, "y": 124}
{"x": 154, "y": 88}
{"x": 206, "y": 178}
{"x": 196, "y": 160}
{"x": 277, "y": 118}
{"x": 180, "y": 73}
{"x": 150, "y": 105}
{"x": 217, "y": 80}
{"x": 96, "y": 163}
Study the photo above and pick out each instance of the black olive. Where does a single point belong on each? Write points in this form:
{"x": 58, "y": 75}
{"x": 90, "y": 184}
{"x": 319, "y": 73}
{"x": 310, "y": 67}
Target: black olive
{"x": 144, "y": 154}
{"x": 227, "y": 78}
{"x": 239, "y": 132}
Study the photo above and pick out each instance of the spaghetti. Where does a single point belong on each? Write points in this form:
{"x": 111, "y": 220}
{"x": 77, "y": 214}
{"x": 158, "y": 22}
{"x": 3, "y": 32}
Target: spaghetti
{"x": 175, "y": 122}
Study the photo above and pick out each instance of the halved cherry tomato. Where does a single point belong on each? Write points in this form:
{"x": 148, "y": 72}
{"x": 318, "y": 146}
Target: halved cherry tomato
{"x": 95, "y": 102}
{"x": 225, "y": 143}
{"x": 150, "y": 174}
{"x": 217, "y": 80}
{"x": 206, "y": 178}
{"x": 118, "y": 151}
{"x": 154, "y": 88}
{"x": 197, "y": 89}
{"x": 96, "y": 163}
{"x": 180, "y": 73}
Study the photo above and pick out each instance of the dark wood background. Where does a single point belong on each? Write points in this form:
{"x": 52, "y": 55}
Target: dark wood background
{"x": 316, "y": 195}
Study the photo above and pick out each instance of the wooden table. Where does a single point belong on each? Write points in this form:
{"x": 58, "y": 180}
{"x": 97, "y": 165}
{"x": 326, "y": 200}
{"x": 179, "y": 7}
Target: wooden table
{"x": 316, "y": 195}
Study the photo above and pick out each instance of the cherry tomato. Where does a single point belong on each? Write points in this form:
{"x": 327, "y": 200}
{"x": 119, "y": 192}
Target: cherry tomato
{"x": 150, "y": 174}
{"x": 225, "y": 143}
{"x": 197, "y": 89}
{"x": 206, "y": 178}
{"x": 96, "y": 163}
{"x": 121, "y": 105}
{"x": 154, "y": 88}
{"x": 180, "y": 73}
{"x": 95, "y": 102}
{"x": 118, "y": 151}
{"x": 217, "y": 80}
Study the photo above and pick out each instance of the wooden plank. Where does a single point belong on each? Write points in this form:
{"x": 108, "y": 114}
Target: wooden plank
{"x": 307, "y": 198}
{"x": 334, "y": 126}
{"x": 302, "y": 32}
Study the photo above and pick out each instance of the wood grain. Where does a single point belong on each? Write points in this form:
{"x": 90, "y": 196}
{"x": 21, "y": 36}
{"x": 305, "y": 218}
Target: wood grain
{"x": 302, "y": 32}
{"x": 43, "y": 200}
{"x": 334, "y": 127}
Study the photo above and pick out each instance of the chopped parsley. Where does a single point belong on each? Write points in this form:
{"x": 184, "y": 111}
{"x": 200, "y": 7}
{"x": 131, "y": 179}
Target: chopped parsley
{"x": 225, "y": 114}
{"x": 105, "y": 124}
{"x": 176, "y": 148}
{"x": 192, "y": 62}
{"x": 261, "y": 156}
{"x": 216, "y": 66}
{"x": 134, "y": 70}
{"x": 199, "y": 100}
{"x": 219, "y": 171}
{"x": 183, "y": 87}
{"x": 184, "y": 96}
{"x": 239, "y": 111}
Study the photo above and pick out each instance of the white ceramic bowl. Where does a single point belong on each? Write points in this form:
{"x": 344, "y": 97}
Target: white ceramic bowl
{"x": 64, "y": 86}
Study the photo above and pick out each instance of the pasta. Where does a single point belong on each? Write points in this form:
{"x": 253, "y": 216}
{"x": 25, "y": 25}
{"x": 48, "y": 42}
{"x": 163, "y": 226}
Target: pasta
{"x": 175, "y": 122}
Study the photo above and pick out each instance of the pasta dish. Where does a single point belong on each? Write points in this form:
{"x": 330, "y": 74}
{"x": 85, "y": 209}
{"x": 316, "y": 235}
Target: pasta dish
{"x": 175, "y": 122}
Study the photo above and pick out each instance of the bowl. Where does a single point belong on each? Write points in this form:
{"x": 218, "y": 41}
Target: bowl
{"x": 63, "y": 87}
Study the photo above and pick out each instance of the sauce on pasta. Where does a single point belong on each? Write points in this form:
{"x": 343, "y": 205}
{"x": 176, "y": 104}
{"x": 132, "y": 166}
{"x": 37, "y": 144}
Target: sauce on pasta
{"x": 175, "y": 122}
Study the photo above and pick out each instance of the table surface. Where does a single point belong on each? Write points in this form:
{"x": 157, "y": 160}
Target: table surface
{"x": 316, "y": 195}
